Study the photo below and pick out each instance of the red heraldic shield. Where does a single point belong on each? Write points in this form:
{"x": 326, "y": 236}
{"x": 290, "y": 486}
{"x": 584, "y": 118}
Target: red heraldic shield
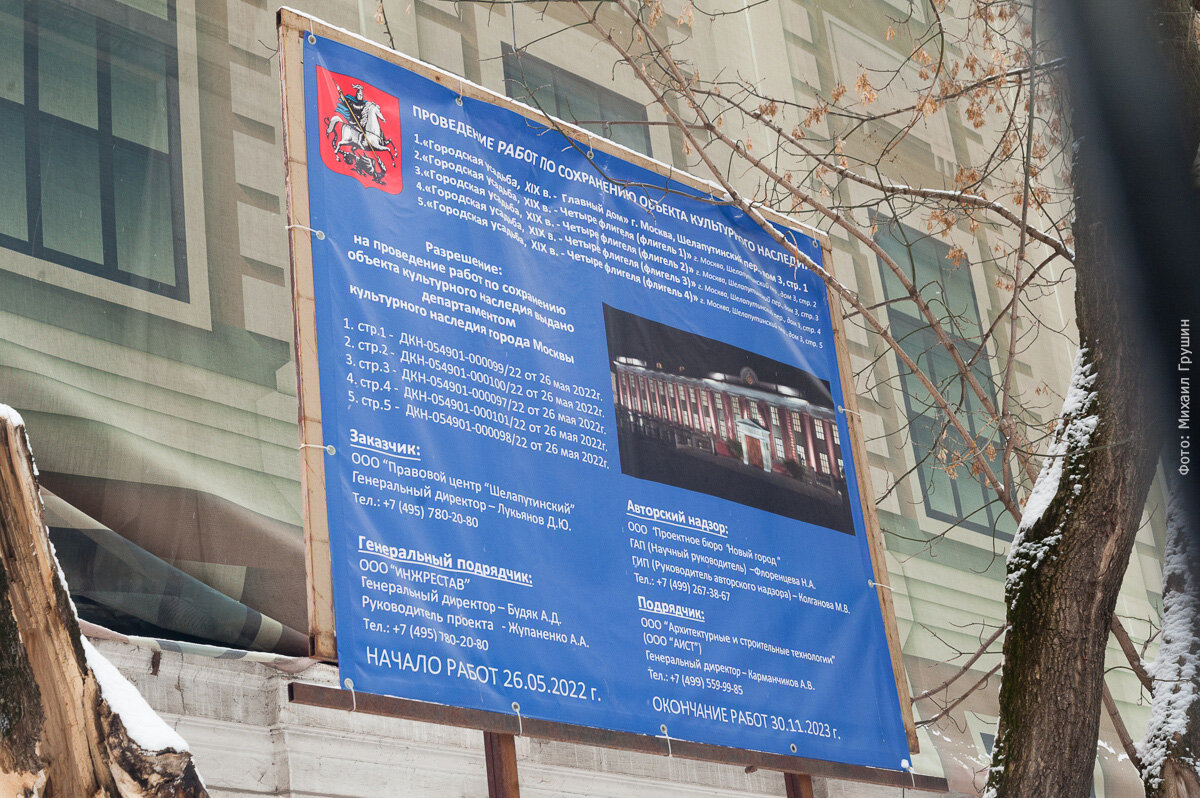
{"x": 361, "y": 128}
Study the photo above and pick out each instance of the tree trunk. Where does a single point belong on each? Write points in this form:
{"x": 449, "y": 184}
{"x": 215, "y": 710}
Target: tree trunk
{"x": 1171, "y": 750}
{"x": 1069, "y": 558}
{"x": 58, "y": 734}
{"x": 1175, "y": 28}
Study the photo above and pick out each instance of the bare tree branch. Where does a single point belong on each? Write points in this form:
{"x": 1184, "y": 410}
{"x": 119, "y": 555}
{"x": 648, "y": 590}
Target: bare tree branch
{"x": 983, "y": 649}
{"x": 966, "y": 694}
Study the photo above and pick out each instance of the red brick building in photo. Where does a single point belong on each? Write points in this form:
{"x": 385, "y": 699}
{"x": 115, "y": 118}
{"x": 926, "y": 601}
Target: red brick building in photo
{"x": 764, "y": 425}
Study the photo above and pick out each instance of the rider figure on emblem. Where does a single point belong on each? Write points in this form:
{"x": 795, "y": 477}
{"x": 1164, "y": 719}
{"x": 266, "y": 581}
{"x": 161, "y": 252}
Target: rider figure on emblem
{"x": 352, "y": 108}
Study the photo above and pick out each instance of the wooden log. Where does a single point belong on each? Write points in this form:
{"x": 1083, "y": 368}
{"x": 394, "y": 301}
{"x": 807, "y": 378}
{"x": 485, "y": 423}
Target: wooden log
{"x": 58, "y": 734}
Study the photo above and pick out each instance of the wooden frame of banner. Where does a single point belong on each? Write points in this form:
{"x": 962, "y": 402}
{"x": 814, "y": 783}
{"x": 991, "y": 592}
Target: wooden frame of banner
{"x": 499, "y": 723}
{"x": 293, "y": 26}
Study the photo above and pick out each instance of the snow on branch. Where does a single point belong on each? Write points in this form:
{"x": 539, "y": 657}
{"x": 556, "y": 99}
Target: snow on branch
{"x": 1176, "y": 672}
{"x": 1074, "y": 431}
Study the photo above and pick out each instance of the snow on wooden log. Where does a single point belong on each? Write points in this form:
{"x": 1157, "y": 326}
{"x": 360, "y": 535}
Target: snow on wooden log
{"x": 70, "y": 724}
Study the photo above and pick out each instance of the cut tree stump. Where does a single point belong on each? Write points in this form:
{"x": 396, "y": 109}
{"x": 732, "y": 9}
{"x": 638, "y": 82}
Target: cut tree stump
{"x": 58, "y": 734}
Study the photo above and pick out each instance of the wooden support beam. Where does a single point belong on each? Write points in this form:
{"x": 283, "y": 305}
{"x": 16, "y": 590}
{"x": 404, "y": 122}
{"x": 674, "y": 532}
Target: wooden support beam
{"x": 317, "y": 695}
{"x": 870, "y": 516}
{"x": 500, "y": 753}
{"x": 798, "y": 785}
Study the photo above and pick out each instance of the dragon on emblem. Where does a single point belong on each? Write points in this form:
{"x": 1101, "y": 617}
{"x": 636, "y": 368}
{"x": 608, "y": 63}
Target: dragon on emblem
{"x": 355, "y": 134}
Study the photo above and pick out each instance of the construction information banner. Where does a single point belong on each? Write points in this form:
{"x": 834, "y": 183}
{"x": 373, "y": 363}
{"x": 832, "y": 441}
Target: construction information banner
{"x": 587, "y": 457}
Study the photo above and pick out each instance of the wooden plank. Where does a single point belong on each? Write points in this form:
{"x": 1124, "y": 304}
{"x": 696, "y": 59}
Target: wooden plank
{"x": 321, "y": 633}
{"x": 870, "y": 515}
{"x": 798, "y": 785}
{"x": 500, "y": 755}
{"x": 388, "y": 706}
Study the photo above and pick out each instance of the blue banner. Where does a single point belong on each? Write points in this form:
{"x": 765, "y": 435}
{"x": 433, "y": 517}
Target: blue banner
{"x": 588, "y": 459}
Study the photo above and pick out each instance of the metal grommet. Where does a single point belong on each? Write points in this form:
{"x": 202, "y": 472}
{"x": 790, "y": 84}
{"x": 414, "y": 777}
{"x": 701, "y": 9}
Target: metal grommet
{"x": 458, "y": 100}
{"x": 793, "y": 748}
{"x": 312, "y": 39}
{"x": 320, "y": 235}
{"x": 330, "y": 450}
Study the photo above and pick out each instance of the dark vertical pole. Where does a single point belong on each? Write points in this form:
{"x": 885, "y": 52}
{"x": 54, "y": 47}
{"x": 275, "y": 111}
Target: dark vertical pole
{"x": 798, "y": 785}
{"x": 500, "y": 754}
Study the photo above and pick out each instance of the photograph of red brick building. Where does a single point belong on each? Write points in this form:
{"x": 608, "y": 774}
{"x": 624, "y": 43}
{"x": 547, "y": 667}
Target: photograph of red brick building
{"x": 704, "y": 415}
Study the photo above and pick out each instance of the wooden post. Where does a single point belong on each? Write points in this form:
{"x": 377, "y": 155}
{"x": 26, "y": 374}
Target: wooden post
{"x": 500, "y": 753}
{"x": 798, "y": 785}
{"x": 322, "y": 640}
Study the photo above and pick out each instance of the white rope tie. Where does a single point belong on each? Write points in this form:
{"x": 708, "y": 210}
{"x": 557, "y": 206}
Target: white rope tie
{"x": 320, "y": 234}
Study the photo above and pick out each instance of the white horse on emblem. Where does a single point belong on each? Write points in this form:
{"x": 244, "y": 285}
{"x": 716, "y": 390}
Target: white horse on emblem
{"x": 361, "y": 135}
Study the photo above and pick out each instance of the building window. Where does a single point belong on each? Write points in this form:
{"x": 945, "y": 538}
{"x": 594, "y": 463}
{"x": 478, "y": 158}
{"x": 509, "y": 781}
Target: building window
{"x": 777, "y": 432}
{"x": 559, "y": 93}
{"x": 801, "y": 455}
{"x": 953, "y": 491}
{"x": 824, "y": 462}
{"x": 89, "y": 117}
{"x": 819, "y": 429}
{"x": 837, "y": 441}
